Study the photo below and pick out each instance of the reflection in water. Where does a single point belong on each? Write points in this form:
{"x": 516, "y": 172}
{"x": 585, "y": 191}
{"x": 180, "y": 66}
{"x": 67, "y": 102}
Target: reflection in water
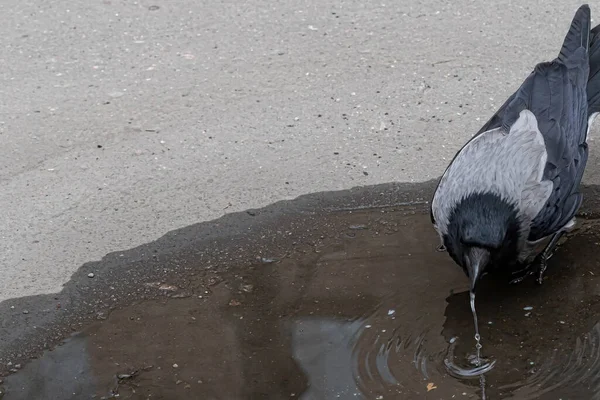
{"x": 66, "y": 374}
{"x": 321, "y": 348}
{"x": 360, "y": 313}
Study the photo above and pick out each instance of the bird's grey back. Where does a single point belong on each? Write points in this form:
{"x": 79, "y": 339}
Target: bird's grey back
{"x": 508, "y": 164}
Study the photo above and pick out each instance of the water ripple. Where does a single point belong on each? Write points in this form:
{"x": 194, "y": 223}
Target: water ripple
{"x": 580, "y": 368}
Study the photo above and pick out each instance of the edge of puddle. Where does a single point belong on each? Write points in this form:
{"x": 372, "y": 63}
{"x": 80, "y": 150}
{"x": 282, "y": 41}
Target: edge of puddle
{"x": 33, "y": 324}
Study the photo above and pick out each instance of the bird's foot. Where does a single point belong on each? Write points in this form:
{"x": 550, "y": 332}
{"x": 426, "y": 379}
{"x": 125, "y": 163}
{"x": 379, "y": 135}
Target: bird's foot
{"x": 526, "y": 272}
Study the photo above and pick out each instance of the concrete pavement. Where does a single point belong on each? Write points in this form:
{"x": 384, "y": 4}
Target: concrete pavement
{"x": 123, "y": 120}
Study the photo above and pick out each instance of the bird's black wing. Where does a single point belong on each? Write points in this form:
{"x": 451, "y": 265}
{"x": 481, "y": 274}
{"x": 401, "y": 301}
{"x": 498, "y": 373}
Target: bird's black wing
{"x": 559, "y": 103}
{"x": 556, "y": 94}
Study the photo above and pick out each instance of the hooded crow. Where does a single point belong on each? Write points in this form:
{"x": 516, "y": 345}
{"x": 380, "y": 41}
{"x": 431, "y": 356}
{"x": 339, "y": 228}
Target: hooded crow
{"x": 513, "y": 189}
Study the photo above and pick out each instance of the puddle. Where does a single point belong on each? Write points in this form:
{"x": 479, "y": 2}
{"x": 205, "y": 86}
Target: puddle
{"x": 340, "y": 304}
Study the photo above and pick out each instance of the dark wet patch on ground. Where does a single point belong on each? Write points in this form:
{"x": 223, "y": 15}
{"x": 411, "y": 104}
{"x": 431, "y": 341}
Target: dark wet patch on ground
{"x": 338, "y": 295}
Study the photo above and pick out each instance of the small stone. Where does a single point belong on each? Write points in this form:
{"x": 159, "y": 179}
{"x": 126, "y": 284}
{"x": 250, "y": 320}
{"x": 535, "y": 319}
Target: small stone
{"x": 175, "y": 366}
{"x": 91, "y": 275}
{"x": 357, "y": 227}
{"x": 528, "y": 308}
{"x": 181, "y": 295}
{"x": 25, "y": 312}
{"x": 179, "y": 382}
{"x": 234, "y": 303}
{"x": 248, "y": 288}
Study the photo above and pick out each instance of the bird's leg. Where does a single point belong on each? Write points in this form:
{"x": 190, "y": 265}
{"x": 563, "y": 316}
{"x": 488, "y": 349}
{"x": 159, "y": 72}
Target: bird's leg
{"x": 546, "y": 255}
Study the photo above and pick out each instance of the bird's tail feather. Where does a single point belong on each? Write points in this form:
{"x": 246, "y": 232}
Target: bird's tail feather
{"x": 578, "y": 36}
{"x": 593, "y": 85}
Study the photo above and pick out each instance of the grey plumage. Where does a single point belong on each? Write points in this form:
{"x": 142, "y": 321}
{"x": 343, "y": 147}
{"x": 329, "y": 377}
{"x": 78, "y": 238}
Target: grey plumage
{"x": 516, "y": 182}
{"x": 509, "y": 165}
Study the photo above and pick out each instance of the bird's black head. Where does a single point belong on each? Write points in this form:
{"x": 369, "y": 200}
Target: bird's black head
{"x": 483, "y": 235}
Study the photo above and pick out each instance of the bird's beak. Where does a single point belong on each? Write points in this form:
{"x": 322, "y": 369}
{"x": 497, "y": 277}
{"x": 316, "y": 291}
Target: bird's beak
{"x": 476, "y": 259}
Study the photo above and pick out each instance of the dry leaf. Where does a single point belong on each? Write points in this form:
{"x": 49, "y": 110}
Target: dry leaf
{"x": 431, "y": 386}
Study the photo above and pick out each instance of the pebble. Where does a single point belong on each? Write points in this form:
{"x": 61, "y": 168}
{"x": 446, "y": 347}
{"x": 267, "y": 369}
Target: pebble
{"x": 169, "y": 288}
{"x": 91, "y": 275}
{"x": 25, "y": 312}
{"x": 528, "y": 308}
{"x": 175, "y": 366}
{"x": 248, "y": 288}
